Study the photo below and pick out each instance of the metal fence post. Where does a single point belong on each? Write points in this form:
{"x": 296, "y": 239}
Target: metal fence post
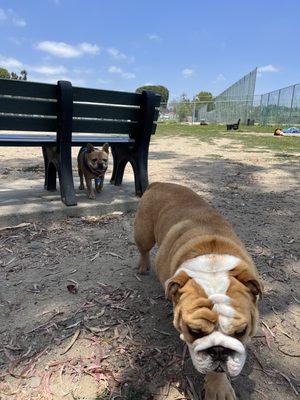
{"x": 292, "y": 101}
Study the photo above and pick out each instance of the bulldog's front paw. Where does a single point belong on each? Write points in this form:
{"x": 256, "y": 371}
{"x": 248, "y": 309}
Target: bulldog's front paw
{"x": 144, "y": 264}
{"x": 218, "y": 387}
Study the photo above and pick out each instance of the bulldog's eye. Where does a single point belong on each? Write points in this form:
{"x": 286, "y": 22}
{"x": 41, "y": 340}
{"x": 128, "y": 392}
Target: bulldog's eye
{"x": 241, "y": 333}
{"x": 104, "y": 159}
{"x": 196, "y": 333}
{"x": 94, "y": 159}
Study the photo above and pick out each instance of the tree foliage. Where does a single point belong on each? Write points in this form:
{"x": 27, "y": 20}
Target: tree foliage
{"x": 204, "y": 98}
{"x": 4, "y": 73}
{"x": 184, "y": 107}
{"x": 162, "y": 90}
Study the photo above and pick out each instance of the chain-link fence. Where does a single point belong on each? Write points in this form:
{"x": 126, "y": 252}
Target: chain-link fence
{"x": 280, "y": 107}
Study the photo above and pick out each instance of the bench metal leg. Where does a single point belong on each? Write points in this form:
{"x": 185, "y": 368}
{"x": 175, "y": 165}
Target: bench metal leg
{"x": 61, "y": 163}
{"x": 138, "y": 158}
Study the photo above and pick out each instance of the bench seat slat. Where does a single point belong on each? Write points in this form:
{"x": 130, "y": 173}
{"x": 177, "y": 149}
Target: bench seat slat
{"x": 16, "y": 105}
{"x": 14, "y": 87}
{"x": 21, "y": 139}
{"x": 105, "y": 111}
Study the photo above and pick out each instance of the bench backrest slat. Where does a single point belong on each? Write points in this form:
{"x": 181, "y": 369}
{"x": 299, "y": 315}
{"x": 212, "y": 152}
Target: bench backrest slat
{"x": 14, "y": 87}
{"x": 13, "y": 105}
{"x": 28, "y": 124}
{"x": 108, "y": 97}
{"x": 98, "y": 126}
{"x": 32, "y": 106}
{"x": 104, "y": 111}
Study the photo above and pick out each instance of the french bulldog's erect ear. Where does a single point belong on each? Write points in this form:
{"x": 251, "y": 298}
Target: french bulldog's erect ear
{"x": 105, "y": 148}
{"x": 89, "y": 147}
{"x": 173, "y": 284}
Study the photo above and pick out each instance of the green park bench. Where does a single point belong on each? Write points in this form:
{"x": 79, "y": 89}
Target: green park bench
{"x": 57, "y": 117}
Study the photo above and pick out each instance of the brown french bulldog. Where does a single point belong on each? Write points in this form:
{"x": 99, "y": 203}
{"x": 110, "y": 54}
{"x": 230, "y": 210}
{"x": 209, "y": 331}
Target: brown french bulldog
{"x": 92, "y": 164}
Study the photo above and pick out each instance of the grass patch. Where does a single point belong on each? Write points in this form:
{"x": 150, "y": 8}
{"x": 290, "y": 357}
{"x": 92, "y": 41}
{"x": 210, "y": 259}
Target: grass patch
{"x": 210, "y": 133}
{"x": 32, "y": 168}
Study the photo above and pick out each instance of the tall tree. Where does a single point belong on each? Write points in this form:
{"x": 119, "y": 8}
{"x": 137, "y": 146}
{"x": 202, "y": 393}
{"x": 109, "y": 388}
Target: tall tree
{"x": 4, "y": 73}
{"x": 184, "y": 108}
{"x": 12, "y": 75}
{"x": 162, "y": 90}
{"x": 204, "y": 98}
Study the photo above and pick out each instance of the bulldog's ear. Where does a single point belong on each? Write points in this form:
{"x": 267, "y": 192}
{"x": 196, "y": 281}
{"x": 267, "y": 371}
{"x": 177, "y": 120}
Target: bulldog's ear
{"x": 105, "y": 148}
{"x": 89, "y": 147}
{"x": 252, "y": 283}
{"x": 173, "y": 284}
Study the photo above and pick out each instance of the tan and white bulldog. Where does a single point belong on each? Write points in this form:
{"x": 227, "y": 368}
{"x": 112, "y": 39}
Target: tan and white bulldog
{"x": 209, "y": 276}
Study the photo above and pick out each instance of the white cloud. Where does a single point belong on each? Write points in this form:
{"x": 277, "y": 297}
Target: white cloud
{"x": 83, "y": 70}
{"x": 20, "y": 22}
{"x": 187, "y": 72}
{"x": 268, "y": 68}
{"x": 48, "y": 70}
{"x": 154, "y": 37}
{"x": 9, "y": 62}
{"x": 118, "y": 55}
{"x": 54, "y": 79}
{"x": 114, "y": 70}
{"x": 3, "y": 16}
{"x": 118, "y": 71}
{"x": 219, "y": 78}
{"x": 115, "y": 53}
{"x": 64, "y": 50}
{"x": 10, "y": 16}
{"x": 89, "y": 48}
{"x": 103, "y": 81}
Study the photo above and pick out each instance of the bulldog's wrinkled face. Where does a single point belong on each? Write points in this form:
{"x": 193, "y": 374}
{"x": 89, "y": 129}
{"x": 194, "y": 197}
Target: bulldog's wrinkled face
{"x": 97, "y": 159}
{"x": 215, "y": 311}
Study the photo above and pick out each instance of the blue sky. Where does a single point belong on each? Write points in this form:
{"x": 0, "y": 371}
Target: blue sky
{"x": 187, "y": 46}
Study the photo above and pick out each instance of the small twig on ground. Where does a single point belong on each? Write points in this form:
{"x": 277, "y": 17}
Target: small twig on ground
{"x": 288, "y": 354}
{"x": 9, "y": 228}
{"x": 61, "y": 381}
{"x": 285, "y": 333}
{"x": 138, "y": 278}
{"x": 297, "y": 300}
{"x": 289, "y": 381}
{"x": 162, "y": 332}
{"x": 73, "y": 340}
{"x": 95, "y": 256}
{"x": 183, "y": 354}
{"x": 110, "y": 253}
{"x": 267, "y": 327}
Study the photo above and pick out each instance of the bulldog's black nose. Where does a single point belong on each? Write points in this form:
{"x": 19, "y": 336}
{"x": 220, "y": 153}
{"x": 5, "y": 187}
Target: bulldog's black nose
{"x": 219, "y": 353}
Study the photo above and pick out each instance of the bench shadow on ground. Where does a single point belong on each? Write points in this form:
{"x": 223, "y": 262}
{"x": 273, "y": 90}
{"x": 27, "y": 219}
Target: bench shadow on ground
{"x": 154, "y": 353}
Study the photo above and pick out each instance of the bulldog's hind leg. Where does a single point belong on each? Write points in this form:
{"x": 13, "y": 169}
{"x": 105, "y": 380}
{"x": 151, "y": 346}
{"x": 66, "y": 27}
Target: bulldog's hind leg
{"x": 144, "y": 239}
{"x": 217, "y": 386}
{"x": 81, "y": 186}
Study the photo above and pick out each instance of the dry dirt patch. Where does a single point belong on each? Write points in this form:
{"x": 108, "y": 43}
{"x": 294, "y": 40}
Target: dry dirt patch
{"x": 74, "y": 282}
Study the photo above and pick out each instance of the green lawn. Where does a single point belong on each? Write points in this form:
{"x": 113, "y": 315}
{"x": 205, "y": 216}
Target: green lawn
{"x": 283, "y": 145}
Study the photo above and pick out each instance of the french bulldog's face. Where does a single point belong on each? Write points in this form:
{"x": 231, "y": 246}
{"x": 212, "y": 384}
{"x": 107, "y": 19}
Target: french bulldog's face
{"x": 215, "y": 312}
{"x": 98, "y": 159}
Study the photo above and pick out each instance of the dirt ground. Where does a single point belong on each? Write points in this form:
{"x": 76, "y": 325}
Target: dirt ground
{"x": 77, "y": 322}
